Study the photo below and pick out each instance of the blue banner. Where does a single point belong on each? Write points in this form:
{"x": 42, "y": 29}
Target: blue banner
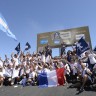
{"x": 81, "y": 46}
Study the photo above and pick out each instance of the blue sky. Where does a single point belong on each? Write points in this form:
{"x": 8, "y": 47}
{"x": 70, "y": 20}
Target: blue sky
{"x": 27, "y": 18}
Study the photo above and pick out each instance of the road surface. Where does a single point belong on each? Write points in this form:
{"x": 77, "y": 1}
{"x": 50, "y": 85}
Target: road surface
{"x": 36, "y": 91}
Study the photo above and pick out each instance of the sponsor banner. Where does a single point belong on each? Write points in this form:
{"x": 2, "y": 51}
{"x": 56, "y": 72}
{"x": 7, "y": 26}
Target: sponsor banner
{"x": 69, "y": 36}
{"x": 43, "y": 41}
{"x": 79, "y": 36}
{"x": 57, "y": 42}
{"x": 65, "y": 35}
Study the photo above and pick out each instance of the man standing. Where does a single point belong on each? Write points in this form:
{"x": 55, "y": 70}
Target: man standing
{"x": 48, "y": 50}
{"x": 91, "y": 57}
{"x": 63, "y": 47}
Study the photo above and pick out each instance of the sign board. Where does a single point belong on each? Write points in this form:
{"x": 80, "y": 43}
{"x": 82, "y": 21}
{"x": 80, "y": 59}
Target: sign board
{"x": 69, "y": 36}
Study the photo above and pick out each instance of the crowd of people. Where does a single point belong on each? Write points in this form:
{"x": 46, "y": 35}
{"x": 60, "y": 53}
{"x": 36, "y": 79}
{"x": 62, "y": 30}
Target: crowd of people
{"x": 24, "y": 68}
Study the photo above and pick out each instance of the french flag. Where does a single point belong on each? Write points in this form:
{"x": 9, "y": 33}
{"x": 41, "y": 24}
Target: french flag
{"x": 51, "y": 78}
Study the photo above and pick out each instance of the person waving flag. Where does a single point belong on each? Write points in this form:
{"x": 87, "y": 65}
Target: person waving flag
{"x": 4, "y": 27}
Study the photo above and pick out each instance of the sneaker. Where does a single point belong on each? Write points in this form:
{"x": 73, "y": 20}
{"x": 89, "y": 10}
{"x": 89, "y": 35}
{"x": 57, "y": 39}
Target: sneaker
{"x": 66, "y": 83}
{"x": 15, "y": 86}
{"x": 1, "y": 85}
{"x": 9, "y": 79}
{"x": 81, "y": 89}
{"x": 12, "y": 83}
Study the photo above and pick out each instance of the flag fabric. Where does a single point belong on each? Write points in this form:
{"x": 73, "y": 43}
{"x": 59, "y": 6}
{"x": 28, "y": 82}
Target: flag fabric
{"x": 81, "y": 47}
{"x": 27, "y": 46}
{"x": 4, "y": 27}
{"x": 51, "y": 78}
{"x": 18, "y": 48}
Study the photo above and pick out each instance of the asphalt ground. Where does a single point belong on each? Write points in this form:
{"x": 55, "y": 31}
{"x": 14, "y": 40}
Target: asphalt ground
{"x": 70, "y": 90}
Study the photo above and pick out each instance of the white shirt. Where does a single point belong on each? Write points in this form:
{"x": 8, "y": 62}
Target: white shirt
{"x": 45, "y": 70}
{"x": 15, "y": 73}
{"x": 24, "y": 63}
{"x": 67, "y": 69}
{"x": 27, "y": 71}
{"x": 32, "y": 74}
{"x": 8, "y": 72}
{"x": 84, "y": 72}
{"x": 1, "y": 74}
{"x": 48, "y": 59}
{"x": 92, "y": 58}
{"x": 94, "y": 66}
{"x": 43, "y": 58}
{"x": 36, "y": 67}
{"x": 1, "y": 63}
{"x": 16, "y": 61}
{"x": 61, "y": 64}
{"x": 73, "y": 68}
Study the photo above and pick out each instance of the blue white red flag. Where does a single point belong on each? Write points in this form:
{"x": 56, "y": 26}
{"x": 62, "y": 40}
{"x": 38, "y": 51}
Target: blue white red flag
{"x": 51, "y": 78}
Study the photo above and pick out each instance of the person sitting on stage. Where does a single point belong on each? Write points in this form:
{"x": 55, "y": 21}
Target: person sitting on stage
{"x": 86, "y": 76}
